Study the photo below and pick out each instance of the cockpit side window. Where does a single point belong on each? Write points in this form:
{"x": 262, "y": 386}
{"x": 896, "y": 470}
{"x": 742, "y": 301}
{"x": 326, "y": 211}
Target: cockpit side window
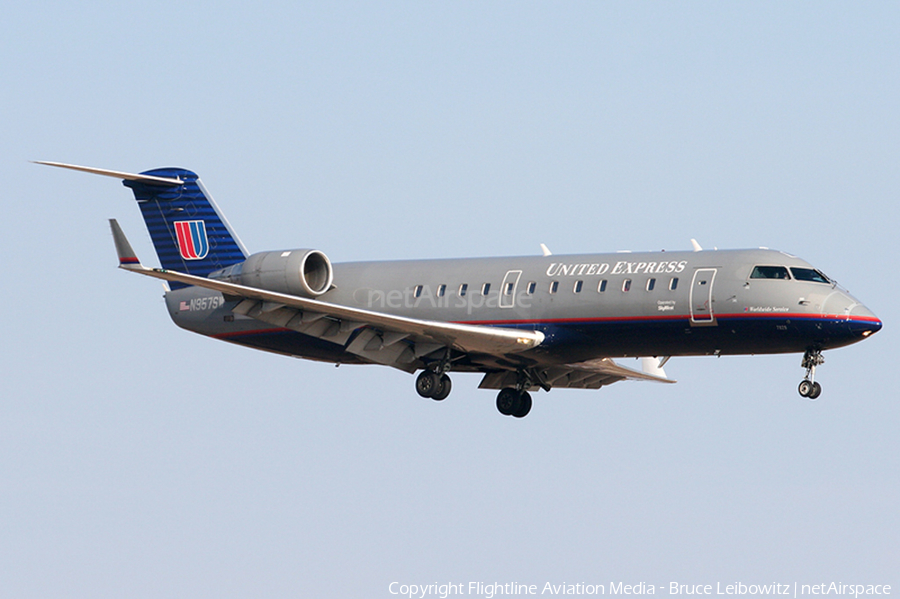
{"x": 809, "y": 274}
{"x": 770, "y": 272}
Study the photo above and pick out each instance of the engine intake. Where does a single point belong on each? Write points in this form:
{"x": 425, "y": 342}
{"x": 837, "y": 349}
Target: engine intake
{"x": 303, "y": 272}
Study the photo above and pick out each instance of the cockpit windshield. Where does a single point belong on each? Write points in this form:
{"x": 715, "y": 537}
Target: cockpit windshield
{"x": 809, "y": 274}
{"x": 770, "y": 272}
{"x": 781, "y": 273}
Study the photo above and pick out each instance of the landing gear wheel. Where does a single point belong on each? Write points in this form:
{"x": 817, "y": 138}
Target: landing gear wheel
{"x": 443, "y": 389}
{"x": 808, "y": 388}
{"x": 524, "y": 405}
{"x": 511, "y": 402}
{"x": 507, "y": 401}
{"x": 816, "y": 391}
{"x": 428, "y": 383}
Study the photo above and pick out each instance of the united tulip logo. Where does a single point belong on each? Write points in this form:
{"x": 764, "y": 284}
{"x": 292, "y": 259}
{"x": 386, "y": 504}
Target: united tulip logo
{"x": 192, "y": 241}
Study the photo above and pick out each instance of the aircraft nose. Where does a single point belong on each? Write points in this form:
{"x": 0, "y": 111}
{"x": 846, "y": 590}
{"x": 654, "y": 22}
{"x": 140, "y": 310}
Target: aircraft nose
{"x": 855, "y": 318}
{"x": 863, "y": 321}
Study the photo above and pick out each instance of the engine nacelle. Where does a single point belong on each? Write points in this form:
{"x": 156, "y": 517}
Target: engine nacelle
{"x": 307, "y": 273}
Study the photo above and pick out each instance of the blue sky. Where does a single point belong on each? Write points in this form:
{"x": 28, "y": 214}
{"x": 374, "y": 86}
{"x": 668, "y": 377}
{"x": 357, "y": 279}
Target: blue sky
{"x": 141, "y": 460}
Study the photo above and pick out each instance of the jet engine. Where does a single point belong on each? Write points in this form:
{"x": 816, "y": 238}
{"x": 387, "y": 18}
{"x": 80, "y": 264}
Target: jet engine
{"x": 305, "y": 272}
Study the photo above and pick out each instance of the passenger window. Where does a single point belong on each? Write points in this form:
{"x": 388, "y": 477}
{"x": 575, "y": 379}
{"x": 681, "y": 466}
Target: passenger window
{"x": 531, "y": 287}
{"x": 578, "y": 286}
{"x": 673, "y": 284}
{"x": 809, "y": 274}
{"x": 485, "y": 289}
{"x": 770, "y": 272}
{"x": 554, "y": 286}
{"x": 417, "y": 291}
{"x": 441, "y": 290}
{"x": 602, "y": 287}
{"x": 509, "y": 289}
{"x": 626, "y": 286}
{"x": 463, "y": 289}
{"x": 651, "y": 284}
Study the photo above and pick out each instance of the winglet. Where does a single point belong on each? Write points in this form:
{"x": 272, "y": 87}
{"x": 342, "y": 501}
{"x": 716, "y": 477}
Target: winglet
{"x": 127, "y": 257}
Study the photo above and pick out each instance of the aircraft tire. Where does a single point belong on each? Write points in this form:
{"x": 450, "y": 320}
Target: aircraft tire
{"x": 805, "y": 388}
{"x": 507, "y": 401}
{"x": 443, "y": 388}
{"x": 524, "y": 405}
{"x": 427, "y": 383}
{"x": 816, "y": 391}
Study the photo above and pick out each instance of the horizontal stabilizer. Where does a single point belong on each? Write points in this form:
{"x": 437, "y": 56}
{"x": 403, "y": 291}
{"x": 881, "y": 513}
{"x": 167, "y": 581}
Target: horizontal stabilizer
{"x": 116, "y": 174}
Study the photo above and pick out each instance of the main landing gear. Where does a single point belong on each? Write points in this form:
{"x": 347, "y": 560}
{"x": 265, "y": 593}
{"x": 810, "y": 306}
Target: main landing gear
{"x": 808, "y": 387}
{"x": 433, "y": 382}
{"x": 432, "y": 385}
{"x": 513, "y": 402}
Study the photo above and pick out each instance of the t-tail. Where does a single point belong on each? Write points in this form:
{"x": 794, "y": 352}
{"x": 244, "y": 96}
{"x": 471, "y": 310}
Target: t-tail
{"x": 189, "y": 232}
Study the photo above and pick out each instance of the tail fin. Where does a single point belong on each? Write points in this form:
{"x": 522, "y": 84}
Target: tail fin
{"x": 188, "y": 231}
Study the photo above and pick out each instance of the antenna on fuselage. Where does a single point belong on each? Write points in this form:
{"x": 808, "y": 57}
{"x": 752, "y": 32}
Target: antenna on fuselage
{"x": 546, "y": 250}
{"x": 696, "y": 245}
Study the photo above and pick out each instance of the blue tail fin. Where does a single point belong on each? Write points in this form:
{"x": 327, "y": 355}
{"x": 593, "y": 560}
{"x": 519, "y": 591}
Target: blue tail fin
{"x": 187, "y": 229}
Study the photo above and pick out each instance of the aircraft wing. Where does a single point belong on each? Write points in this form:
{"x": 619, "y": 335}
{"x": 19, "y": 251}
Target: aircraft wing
{"x": 591, "y": 374}
{"x": 609, "y": 368}
{"x": 381, "y": 334}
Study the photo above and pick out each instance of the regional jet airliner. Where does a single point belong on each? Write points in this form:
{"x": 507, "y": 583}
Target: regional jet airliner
{"x": 524, "y": 323}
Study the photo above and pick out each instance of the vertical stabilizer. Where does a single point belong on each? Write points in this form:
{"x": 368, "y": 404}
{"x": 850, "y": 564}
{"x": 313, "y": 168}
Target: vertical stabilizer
{"x": 188, "y": 230}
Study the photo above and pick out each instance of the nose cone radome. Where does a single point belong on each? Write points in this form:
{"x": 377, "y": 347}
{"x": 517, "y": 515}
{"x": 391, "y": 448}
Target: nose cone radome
{"x": 853, "y": 320}
{"x": 863, "y": 321}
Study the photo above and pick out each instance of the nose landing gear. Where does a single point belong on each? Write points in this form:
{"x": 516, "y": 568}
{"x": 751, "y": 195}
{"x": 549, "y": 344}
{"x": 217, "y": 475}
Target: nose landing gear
{"x": 808, "y": 387}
